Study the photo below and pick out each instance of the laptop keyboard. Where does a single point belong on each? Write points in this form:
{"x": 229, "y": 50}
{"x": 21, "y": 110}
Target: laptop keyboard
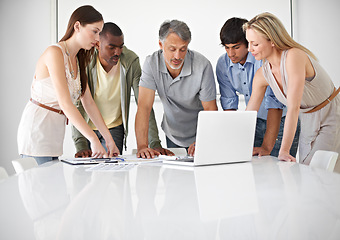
{"x": 185, "y": 159}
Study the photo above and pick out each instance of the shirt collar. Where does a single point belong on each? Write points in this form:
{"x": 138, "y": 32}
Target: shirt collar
{"x": 250, "y": 59}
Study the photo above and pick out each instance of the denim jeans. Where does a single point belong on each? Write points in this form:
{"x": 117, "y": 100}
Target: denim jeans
{"x": 171, "y": 144}
{"x": 261, "y": 126}
{"x": 41, "y": 160}
{"x": 117, "y": 134}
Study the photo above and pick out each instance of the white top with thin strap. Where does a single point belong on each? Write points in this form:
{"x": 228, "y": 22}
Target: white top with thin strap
{"x": 320, "y": 130}
{"x": 316, "y": 90}
{"x": 41, "y": 132}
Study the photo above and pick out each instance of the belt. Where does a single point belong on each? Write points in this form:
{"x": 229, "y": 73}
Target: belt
{"x": 324, "y": 103}
{"x": 48, "y": 108}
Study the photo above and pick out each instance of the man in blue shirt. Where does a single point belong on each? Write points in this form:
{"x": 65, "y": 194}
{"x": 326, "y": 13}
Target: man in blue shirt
{"x": 235, "y": 71}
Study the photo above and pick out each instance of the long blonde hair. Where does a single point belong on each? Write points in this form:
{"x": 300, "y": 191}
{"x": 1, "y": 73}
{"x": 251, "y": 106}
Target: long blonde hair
{"x": 273, "y": 30}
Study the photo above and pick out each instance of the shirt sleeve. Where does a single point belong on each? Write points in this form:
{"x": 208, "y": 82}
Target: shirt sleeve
{"x": 147, "y": 79}
{"x": 271, "y": 101}
{"x": 208, "y": 85}
{"x": 229, "y": 99}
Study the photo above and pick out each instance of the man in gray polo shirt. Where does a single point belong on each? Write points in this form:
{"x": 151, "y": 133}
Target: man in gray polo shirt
{"x": 185, "y": 83}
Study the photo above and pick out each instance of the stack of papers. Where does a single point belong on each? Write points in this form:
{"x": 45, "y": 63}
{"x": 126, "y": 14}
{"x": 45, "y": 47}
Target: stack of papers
{"x": 120, "y": 163}
{"x": 84, "y": 161}
{"x": 126, "y": 163}
{"x": 126, "y": 159}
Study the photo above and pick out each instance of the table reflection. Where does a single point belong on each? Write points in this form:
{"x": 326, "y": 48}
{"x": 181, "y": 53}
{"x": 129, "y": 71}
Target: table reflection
{"x": 45, "y": 198}
{"x": 262, "y": 199}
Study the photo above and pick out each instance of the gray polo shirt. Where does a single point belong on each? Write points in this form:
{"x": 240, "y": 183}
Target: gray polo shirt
{"x": 181, "y": 97}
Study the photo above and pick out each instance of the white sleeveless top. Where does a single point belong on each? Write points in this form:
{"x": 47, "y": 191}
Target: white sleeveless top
{"x": 41, "y": 132}
{"x": 316, "y": 90}
{"x": 320, "y": 130}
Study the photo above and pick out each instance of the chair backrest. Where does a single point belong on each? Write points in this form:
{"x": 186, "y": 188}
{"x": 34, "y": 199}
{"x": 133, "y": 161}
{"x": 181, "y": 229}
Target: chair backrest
{"x": 22, "y": 164}
{"x": 3, "y": 173}
{"x": 176, "y": 151}
{"x": 324, "y": 159}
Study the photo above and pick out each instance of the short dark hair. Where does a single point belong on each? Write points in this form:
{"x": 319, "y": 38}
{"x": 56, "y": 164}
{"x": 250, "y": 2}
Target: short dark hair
{"x": 112, "y": 29}
{"x": 232, "y": 31}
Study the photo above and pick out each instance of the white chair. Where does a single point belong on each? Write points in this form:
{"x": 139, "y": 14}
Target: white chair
{"x": 176, "y": 151}
{"x": 3, "y": 173}
{"x": 324, "y": 159}
{"x": 23, "y": 164}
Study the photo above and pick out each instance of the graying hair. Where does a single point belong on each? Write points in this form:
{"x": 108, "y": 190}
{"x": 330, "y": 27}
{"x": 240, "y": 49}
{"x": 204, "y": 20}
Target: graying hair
{"x": 174, "y": 26}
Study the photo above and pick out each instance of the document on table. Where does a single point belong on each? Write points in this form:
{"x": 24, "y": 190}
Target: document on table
{"x": 85, "y": 161}
{"x": 126, "y": 163}
{"x": 119, "y": 163}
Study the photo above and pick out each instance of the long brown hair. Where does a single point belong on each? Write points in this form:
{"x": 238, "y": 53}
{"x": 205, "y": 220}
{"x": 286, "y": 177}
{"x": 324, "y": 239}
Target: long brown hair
{"x": 85, "y": 15}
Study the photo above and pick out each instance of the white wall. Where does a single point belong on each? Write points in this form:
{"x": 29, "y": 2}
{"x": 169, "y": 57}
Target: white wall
{"x": 26, "y": 32}
{"x": 140, "y": 20}
{"x": 316, "y": 26}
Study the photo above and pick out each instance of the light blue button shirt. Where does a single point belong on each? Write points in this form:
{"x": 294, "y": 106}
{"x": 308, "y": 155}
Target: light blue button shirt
{"x": 236, "y": 77}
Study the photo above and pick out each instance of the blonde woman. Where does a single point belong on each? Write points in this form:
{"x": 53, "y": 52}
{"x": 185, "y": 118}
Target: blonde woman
{"x": 59, "y": 81}
{"x": 299, "y": 82}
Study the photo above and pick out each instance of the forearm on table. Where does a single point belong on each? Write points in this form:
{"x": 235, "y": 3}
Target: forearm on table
{"x": 272, "y": 129}
{"x": 289, "y": 129}
{"x": 142, "y": 128}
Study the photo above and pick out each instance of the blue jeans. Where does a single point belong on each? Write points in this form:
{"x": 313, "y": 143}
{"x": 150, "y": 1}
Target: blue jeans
{"x": 41, "y": 160}
{"x": 261, "y": 126}
{"x": 171, "y": 144}
{"x": 117, "y": 134}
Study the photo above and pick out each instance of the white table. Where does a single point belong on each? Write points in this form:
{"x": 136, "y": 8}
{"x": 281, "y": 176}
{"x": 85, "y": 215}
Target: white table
{"x": 264, "y": 199}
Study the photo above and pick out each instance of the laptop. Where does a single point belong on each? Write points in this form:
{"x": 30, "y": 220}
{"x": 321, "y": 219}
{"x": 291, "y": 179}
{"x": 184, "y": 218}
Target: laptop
{"x": 221, "y": 137}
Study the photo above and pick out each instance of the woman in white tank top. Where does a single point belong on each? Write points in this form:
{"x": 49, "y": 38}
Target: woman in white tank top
{"x": 59, "y": 81}
{"x": 299, "y": 82}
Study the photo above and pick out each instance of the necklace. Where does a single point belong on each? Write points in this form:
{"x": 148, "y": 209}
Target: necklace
{"x": 69, "y": 60}
{"x": 73, "y": 83}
